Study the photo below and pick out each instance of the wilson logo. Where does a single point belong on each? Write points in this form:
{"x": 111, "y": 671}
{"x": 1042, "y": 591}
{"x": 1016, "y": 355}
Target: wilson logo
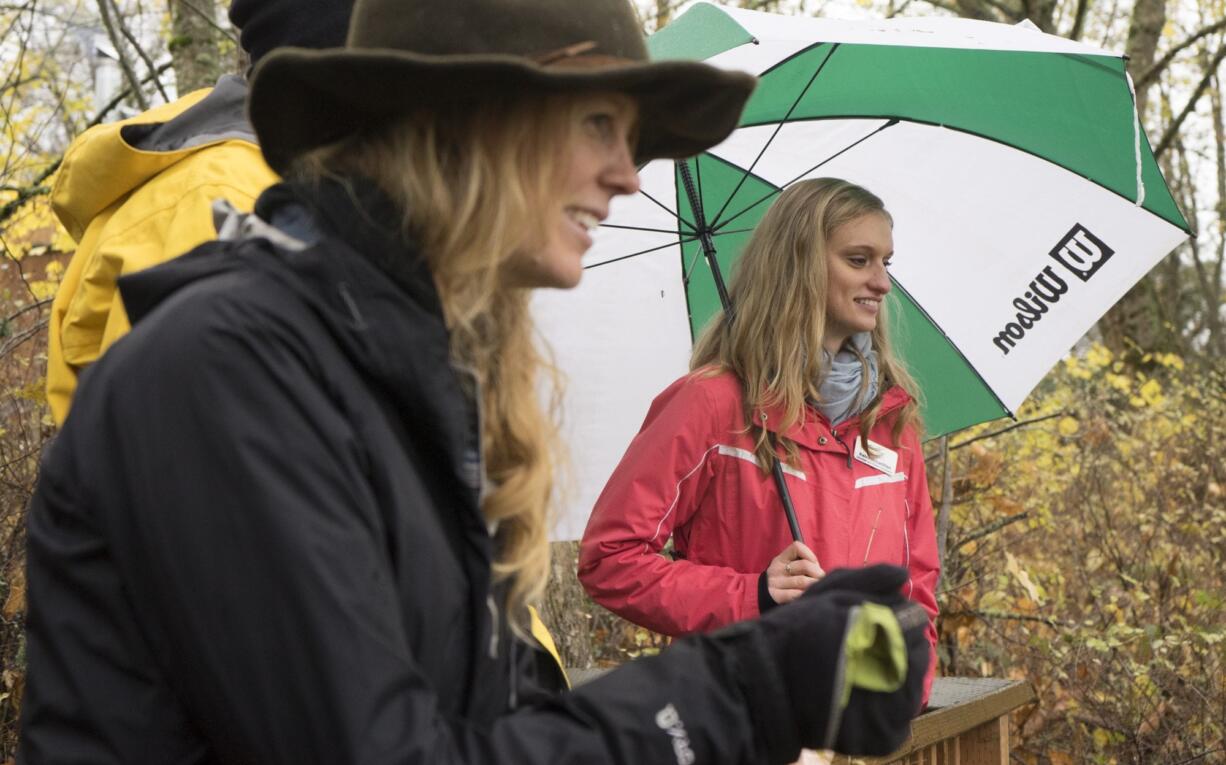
{"x": 1082, "y": 254}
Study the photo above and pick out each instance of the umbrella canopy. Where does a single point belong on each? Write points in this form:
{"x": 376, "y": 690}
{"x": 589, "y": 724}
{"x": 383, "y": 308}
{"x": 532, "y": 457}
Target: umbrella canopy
{"x": 1025, "y": 198}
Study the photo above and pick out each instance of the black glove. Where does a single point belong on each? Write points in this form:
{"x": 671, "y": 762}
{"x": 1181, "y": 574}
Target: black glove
{"x": 804, "y": 641}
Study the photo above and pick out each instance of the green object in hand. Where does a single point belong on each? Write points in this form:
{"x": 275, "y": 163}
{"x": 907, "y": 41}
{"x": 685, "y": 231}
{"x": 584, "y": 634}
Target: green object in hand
{"x": 874, "y": 651}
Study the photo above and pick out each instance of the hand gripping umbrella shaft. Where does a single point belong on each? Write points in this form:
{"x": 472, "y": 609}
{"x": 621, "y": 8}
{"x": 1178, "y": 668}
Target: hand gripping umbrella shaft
{"x": 708, "y": 251}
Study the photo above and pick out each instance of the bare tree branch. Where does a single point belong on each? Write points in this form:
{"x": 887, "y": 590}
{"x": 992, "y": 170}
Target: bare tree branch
{"x": 1172, "y": 130}
{"x": 211, "y": 21}
{"x": 1079, "y": 20}
{"x": 21, "y": 337}
{"x": 994, "y": 433}
{"x": 36, "y": 188}
{"x": 104, "y": 10}
{"x": 991, "y": 528}
{"x": 895, "y": 11}
{"x": 149, "y": 65}
{"x": 1162, "y": 63}
{"x": 1007, "y": 615}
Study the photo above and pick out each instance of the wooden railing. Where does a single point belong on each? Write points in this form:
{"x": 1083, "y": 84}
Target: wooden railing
{"x": 966, "y": 723}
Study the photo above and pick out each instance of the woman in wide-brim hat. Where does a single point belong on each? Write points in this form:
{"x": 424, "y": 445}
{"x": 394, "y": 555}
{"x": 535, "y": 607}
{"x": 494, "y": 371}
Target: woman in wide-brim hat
{"x": 321, "y": 512}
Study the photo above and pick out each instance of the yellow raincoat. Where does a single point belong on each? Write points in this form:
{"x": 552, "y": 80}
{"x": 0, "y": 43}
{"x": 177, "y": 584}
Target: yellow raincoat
{"x": 136, "y": 193}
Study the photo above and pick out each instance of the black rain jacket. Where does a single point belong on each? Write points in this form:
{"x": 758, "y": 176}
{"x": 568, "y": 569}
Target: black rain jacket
{"x": 257, "y": 539}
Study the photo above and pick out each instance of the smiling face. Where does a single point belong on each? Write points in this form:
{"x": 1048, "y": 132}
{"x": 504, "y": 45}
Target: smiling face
{"x": 597, "y": 165}
{"x": 857, "y": 254}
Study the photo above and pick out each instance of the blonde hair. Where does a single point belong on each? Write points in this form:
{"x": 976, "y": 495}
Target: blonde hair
{"x": 475, "y": 185}
{"x": 778, "y": 291}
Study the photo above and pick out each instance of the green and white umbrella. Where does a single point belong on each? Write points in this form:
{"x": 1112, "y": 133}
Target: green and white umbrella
{"x": 1025, "y": 197}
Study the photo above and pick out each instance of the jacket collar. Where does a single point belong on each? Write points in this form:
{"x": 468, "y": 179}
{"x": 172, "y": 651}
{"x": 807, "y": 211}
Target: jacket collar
{"x": 374, "y": 294}
{"x": 219, "y": 116}
{"x": 815, "y": 426}
{"x": 354, "y": 210}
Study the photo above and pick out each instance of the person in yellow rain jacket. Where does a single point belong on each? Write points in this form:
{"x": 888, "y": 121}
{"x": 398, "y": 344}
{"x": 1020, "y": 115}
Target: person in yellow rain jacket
{"x": 132, "y": 200}
{"x": 138, "y": 192}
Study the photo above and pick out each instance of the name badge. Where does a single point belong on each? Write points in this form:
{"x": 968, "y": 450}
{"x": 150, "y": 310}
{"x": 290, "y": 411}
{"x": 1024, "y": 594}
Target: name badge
{"x": 876, "y": 456}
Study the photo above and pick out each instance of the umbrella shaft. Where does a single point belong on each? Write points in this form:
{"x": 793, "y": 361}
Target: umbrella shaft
{"x": 786, "y": 498}
{"x": 704, "y": 235}
{"x": 708, "y": 250}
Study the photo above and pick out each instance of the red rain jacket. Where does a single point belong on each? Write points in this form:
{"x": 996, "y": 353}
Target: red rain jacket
{"x": 691, "y": 474}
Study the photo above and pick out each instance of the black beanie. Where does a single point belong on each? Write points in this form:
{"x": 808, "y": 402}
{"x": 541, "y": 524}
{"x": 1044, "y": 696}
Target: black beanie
{"x": 268, "y": 24}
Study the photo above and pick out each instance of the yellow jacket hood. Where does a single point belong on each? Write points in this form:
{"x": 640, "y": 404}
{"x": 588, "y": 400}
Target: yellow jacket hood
{"x": 108, "y": 162}
{"x": 134, "y": 194}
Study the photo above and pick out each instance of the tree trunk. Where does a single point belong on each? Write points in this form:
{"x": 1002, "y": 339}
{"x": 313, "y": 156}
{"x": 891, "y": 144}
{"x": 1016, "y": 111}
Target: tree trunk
{"x": 195, "y": 44}
{"x": 1041, "y": 13}
{"x": 1131, "y": 324}
{"x": 975, "y": 9}
{"x": 663, "y": 12}
{"x": 1144, "y": 31}
{"x": 567, "y": 609}
{"x": 1211, "y": 283}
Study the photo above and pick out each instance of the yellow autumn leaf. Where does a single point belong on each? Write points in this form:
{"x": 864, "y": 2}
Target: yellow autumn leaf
{"x": 1152, "y": 392}
{"x": 43, "y": 289}
{"x": 1099, "y": 355}
{"x": 1101, "y": 738}
{"x": 1172, "y": 361}
{"x": 1023, "y": 578}
{"x": 1068, "y": 426}
{"x": 1120, "y": 382}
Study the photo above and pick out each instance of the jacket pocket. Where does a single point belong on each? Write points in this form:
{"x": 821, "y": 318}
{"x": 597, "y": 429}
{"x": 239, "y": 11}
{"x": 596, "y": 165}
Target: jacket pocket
{"x": 881, "y": 522}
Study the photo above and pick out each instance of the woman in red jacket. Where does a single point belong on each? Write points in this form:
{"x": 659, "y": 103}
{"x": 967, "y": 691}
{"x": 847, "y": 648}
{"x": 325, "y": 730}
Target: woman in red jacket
{"x": 805, "y": 371}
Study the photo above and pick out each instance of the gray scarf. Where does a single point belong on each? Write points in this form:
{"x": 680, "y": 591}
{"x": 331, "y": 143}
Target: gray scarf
{"x": 840, "y": 389}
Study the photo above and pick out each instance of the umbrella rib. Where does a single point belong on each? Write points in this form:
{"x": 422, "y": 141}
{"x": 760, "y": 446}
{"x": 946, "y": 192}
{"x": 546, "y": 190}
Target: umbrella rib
{"x": 640, "y": 228}
{"x": 976, "y": 134}
{"x": 836, "y": 155}
{"x": 778, "y": 126}
{"x": 661, "y": 205}
{"x": 640, "y": 252}
{"x": 689, "y": 270}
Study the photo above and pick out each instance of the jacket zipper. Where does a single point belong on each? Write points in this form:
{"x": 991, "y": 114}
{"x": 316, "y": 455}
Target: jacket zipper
{"x": 513, "y": 680}
{"x": 906, "y": 546}
{"x": 872, "y": 534}
{"x": 481, "y": 487}
{"x": 835, "y": 433}
{"x": 480, "y": 479}
{"x": 493, "y": 607}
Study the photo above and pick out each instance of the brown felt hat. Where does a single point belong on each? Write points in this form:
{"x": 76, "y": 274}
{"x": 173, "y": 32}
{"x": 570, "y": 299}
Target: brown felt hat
{"x": 404, "y": 54}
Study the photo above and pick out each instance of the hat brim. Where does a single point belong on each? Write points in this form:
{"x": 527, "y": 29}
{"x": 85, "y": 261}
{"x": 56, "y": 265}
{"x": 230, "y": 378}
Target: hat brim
{"x": 303, "y": 99}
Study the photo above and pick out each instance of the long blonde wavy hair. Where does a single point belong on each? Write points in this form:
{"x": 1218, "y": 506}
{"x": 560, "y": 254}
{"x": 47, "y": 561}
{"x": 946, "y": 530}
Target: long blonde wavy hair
{"x": 475, "y": 185}
{"x": 778, "y": 291}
